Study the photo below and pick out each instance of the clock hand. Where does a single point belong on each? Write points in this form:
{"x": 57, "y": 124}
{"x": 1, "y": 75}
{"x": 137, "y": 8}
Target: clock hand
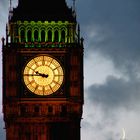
{"x": 31, "y": 75}
{"x": 37, "y": 74}
{"x": 42, "y": 74}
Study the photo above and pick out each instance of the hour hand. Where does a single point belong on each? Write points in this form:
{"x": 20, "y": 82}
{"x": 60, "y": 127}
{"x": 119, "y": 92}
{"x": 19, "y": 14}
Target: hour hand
{"x": 31, "y": 75}
{"x": 42, "y": 74}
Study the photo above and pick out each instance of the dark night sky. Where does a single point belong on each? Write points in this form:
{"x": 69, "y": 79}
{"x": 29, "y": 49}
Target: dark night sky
{"x": 111, "y": 66}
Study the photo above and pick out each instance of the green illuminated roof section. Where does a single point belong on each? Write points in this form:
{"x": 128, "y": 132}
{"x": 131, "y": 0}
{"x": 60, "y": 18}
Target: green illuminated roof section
{"x": 37, "y": 24}
{"x": 42, "y": 32}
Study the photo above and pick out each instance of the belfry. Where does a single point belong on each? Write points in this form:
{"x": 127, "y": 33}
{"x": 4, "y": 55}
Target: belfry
{"x": 42, "y": 72}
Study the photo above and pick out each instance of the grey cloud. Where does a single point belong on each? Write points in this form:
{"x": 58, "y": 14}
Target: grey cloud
{"x": 109, "y": 100}
{"x": 118, "y": 39}
{"x": 99, "y": 130}
{"x": 4, "y": 3}
{"x": 3, "y": 16}
{"x": 118, "y": 24}
{"x": 116, "y": 94}
{"x": 121, "y": 47}
{"x": 109, "y": 11}
{"x": 2, "y": 130}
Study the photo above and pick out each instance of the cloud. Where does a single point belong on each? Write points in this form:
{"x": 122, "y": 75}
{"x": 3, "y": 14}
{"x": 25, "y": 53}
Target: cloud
{"x": 111, "y": 106}
{"x": 3, "y": 17}
{"x": 121, "y": 48}
{"x": 104, "y": 125}
{"x": 2, "y": 130}
{"x": 113, "y": 32}
{"x": 109, "y": 11}
{"x": 112, "y": 29}
{"x": 4, "y": 9}
{"x": 116, "y": 93}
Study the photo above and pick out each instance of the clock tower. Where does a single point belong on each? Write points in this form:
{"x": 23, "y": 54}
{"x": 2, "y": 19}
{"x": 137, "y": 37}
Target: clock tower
{"x": 42, "y": 72}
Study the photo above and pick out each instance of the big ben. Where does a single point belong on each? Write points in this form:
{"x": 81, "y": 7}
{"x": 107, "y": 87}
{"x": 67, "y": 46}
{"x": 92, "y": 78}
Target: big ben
{"x": 42, "y": 72}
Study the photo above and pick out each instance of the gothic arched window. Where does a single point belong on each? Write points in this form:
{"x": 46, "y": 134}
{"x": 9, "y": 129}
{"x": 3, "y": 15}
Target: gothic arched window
{"x": 49, "y": 36}
{"x": 56, "y": 36}
{"x": 43, "y": 36}
{"x": 35, "y": 35}
{"x": 29, "y": 36}
{"x": 63, "y": 36}
{"x": 22, "y": 35}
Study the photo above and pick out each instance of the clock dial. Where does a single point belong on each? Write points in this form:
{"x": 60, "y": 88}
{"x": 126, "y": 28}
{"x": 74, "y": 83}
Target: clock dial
{"x": 43, "y": 75}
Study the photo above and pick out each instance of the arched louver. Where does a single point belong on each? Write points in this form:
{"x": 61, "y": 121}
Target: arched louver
{"x": 63, "y": 36}
{"x": 43, "y": 36}
{"x": 35, "y": 35}
{"x": 49, "y": 36}
{"x": 29, "y": 36}
{"x": 22, "y": 36}
{"x": 56, "y": 36}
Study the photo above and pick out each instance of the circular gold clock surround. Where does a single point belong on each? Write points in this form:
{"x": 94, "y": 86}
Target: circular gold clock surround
{"x": 43, "y": 75}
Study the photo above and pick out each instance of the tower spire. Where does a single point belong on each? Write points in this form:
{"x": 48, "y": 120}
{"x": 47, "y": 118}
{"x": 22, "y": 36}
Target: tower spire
{"x": 74, "y": 8}
{"x": 74, "y": 5}
{"x": 10, "y": 4}
{"x": 10, "y": 10}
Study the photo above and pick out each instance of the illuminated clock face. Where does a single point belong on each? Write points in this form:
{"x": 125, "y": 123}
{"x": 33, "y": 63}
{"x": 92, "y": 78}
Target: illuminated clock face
{"x": 43, "y": 75}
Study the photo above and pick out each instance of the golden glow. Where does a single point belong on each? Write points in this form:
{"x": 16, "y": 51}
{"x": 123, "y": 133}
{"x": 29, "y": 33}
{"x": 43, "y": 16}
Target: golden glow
{"x": 43, "y": 75}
